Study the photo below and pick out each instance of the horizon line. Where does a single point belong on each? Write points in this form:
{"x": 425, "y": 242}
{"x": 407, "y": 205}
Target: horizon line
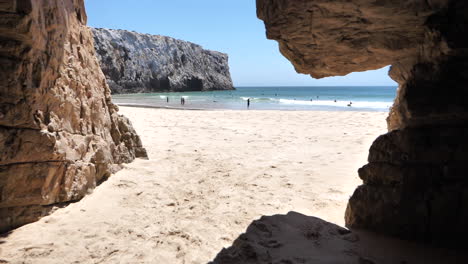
{"x": 242, "y": 86}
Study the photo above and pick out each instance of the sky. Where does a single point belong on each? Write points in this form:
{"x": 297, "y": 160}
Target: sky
{"x": 229, "y": 26}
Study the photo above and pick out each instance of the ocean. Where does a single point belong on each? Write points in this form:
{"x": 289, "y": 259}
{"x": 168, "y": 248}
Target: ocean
{"x": 315, "y": 98}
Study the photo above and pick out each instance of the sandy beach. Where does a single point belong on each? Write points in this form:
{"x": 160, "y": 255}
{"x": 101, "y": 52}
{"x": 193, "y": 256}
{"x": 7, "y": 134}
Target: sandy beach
{"x": 209, "y": 175}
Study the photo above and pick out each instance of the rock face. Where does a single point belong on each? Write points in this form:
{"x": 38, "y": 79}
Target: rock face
{"x": 60, "y": 134}
{"x": 135, "y": 63}
{"x": 415, "y": 185}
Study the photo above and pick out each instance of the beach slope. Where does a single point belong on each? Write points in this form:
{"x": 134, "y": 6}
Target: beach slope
{"x": 209, "y": 175}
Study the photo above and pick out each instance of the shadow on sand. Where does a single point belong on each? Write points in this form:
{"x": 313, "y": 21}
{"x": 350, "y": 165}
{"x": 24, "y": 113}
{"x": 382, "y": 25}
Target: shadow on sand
{"x": 296, "y": 238}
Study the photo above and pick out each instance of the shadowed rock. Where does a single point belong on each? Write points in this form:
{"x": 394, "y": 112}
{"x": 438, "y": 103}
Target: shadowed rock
{"x": 134, "y": 62}
{"x": 414, "y": 186}
{"x": 296, "y": 238}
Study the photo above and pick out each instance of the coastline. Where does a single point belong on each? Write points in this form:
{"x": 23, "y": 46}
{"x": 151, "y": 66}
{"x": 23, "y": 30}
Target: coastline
{"x": 161, "y": 107}
{"x": 148, "y": 106}
{"x": 374, "y": 99}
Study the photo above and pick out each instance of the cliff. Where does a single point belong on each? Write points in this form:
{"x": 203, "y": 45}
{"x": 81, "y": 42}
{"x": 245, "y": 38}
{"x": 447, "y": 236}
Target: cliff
{"x": 134, "y": 63}
{"x": 415, "y": 185}
{"x": 60, "y": 134}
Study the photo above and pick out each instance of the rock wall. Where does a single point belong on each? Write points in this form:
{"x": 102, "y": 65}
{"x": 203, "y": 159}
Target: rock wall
{"x": 415, "y": 185}
{"x": 134, "y": 63}
{"x": 60, "y": 134}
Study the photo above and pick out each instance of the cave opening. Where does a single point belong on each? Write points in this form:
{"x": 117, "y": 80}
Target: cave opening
{"x": 414, "y": 186}
{"x": 159, "y": 84}
{"x": 194, "y": 84}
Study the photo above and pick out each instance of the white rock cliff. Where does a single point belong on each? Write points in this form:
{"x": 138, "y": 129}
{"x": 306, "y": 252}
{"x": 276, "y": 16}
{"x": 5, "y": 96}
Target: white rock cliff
{"x": 134, "y": 63}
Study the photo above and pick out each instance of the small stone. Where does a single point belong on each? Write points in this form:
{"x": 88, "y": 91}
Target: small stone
{"x": 51, "y": 128}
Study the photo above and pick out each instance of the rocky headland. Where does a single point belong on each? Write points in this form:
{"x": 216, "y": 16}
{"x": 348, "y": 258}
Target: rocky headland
{"x": 60, "y": 134}
{"x": 135, "y": 63}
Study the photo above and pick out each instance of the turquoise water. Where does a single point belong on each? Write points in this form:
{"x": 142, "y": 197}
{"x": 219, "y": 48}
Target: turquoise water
{"x": 362, "y": 98}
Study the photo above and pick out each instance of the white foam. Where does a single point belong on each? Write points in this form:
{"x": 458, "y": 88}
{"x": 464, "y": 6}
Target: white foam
{"x": 355, "y": 104}
{"x": 259, "y": 99}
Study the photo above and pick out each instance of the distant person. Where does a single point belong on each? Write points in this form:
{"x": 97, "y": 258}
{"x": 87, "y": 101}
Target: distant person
{"x": 335, "y": 100}
{"x": 182, "y": 101}
{"x": 167, "y": 99}
{"x": 317, "y": 96}
{"x": 248, "y": 103}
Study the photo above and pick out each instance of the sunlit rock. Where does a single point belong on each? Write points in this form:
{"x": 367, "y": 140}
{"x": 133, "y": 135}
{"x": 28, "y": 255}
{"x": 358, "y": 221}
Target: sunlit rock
{"x": 60, "y": 134}
{"x": 134, "y": 62}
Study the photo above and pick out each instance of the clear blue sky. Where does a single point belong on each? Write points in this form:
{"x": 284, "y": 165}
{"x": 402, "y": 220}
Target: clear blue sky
{"x": 229, "y": 26}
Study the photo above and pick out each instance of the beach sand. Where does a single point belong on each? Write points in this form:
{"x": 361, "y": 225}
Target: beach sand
{"x": 209, "y": 175}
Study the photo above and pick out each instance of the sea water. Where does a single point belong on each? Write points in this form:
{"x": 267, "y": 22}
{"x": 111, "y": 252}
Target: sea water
{"x": 329, "y": 98}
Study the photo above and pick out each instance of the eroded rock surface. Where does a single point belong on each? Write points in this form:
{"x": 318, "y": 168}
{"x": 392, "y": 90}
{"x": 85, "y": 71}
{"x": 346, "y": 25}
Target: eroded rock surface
{"x": 60, "y": 134}
{"x": 414, "y": 185}
{"x": 134, "y": 62}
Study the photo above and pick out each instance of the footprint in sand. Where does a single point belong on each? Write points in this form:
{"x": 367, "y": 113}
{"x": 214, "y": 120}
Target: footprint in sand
{"x": 39, "y": 251}
{"x": 50, "y": 220}
{"x": 331, "y": 190}
{"x": 270, "y": 244}
{"x": 125, "y": 184}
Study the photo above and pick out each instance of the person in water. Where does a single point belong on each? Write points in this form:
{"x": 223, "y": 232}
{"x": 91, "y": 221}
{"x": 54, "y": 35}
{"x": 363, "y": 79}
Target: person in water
{"x": 248, "y": 103}
{"x": 167, "y": 99}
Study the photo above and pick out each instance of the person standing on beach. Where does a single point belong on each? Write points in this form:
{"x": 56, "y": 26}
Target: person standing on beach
{"x": 248, "y": 103}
